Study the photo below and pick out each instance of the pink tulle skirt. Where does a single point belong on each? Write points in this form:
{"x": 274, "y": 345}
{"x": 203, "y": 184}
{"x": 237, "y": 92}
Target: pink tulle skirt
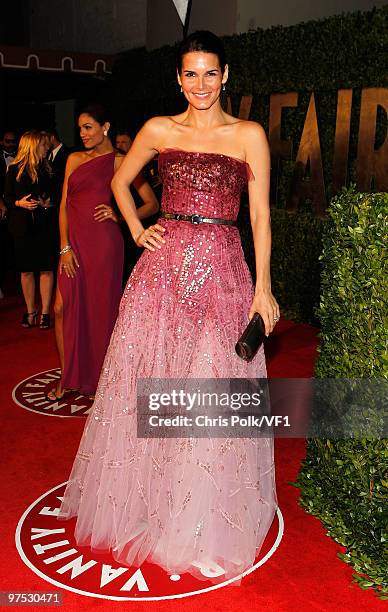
{"x": 197, "y": 505}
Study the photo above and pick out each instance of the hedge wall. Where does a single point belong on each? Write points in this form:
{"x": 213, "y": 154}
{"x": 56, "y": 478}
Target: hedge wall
{"x": 295, "y": 266}
{"x": 345, "y": 482}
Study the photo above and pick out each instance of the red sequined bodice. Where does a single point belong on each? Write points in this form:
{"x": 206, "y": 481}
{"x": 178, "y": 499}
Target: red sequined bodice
{"x": 209, "y": 184}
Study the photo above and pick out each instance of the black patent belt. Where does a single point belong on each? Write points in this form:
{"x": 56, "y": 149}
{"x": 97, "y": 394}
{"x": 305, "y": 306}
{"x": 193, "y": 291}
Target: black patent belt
{"x": 196, "y": 219}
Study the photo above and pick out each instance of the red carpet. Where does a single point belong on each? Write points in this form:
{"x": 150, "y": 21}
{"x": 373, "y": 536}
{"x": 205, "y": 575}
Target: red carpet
{"x": 304, "y": 573}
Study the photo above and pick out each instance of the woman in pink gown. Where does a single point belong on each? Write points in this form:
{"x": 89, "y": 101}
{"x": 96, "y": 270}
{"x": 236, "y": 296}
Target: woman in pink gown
{"x": 193, "y": 505}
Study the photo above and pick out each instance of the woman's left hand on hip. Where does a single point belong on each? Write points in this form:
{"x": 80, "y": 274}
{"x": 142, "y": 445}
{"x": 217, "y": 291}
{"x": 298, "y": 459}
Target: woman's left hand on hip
{"x": 105, "y": 212}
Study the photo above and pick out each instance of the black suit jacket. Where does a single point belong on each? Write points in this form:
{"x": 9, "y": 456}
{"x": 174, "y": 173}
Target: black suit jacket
{"x": 58, "y": 165}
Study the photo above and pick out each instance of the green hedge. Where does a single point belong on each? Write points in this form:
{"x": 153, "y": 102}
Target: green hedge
{"x": 295, "y": 266}
{"x": 345, "y": 482}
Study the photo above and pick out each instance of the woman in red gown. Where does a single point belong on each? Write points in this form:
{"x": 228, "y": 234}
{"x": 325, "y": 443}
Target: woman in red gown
{"x": 90, "y": 268}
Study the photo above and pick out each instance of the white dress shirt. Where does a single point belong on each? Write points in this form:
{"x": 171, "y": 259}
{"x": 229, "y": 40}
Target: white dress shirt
{"x": 8, "y": 158}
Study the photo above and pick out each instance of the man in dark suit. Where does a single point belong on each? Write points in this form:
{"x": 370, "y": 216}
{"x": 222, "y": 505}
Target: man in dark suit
{"x": 7, "y": 155}
{"x": 57, "y": 157}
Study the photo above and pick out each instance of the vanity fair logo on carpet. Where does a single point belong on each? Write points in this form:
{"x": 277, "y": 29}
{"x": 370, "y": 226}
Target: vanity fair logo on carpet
{"x": 31, "y": 392}
{"x": 47, "y": 546}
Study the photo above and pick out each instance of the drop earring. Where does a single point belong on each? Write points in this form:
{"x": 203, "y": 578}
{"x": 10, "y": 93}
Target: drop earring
{"x": 105, "y": 132}
{"x": 223, "y": 87}
{"x": 181, "y": 89}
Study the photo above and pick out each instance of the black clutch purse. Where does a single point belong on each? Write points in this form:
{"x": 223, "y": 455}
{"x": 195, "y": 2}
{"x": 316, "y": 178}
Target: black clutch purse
{"x": 251, "y": 339}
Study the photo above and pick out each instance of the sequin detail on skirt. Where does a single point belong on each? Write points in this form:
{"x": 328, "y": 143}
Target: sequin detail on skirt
{"x": 202, "y": 506}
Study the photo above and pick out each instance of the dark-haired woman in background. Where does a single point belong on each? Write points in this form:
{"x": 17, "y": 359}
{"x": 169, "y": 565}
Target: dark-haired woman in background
{"x": 91, "y": 257}
{"x": 31, "y": 223}
{"x": 195, "y": 505}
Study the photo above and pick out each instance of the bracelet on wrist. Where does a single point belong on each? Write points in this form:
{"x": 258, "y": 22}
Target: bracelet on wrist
{"x": 66, "y": 249}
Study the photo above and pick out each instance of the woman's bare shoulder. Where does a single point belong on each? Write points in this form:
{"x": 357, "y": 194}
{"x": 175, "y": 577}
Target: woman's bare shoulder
{"x": 155, "y": 125}
{"x": 75, "y": 159}
{"x": 77, "y": 155}
{"x": 164, "y": 124}
{"x": 252, "y": 138}
{"x": 157, "y": 131}
{"x": 251, "y": 130}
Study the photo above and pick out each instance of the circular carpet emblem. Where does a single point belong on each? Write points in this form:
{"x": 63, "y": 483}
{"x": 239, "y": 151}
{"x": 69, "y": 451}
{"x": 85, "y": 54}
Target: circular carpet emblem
{"x": 31, "y": 392}
{"x": 47, "y": 546}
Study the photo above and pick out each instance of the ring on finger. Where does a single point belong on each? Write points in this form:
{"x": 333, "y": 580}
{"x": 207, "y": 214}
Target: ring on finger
{"x": 276, "y": 318}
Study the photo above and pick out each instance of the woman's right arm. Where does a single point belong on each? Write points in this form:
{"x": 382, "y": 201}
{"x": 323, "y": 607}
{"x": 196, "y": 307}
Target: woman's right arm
{"x": 150, "y": 204}
{"x": 144, "y": 148}
{"x": 68, "y": 262}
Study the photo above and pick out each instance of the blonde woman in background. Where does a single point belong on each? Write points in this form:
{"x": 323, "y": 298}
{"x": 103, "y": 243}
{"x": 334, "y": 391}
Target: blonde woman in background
{"x": 31, "y": 223}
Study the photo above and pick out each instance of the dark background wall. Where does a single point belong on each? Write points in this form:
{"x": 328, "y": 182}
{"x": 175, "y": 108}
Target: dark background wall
{"x": 111, "y": 26}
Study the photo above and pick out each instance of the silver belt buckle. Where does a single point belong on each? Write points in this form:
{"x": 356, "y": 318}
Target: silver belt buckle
{"x": 196, "y": 219}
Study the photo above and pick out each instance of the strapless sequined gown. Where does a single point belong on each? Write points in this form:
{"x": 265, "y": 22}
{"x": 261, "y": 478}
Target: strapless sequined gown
{"x": 190, "y": 505}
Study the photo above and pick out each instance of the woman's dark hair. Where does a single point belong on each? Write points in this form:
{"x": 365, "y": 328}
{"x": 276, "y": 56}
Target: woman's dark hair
{"x": 204, "y": 41}
{"x": 98, "y": 111}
